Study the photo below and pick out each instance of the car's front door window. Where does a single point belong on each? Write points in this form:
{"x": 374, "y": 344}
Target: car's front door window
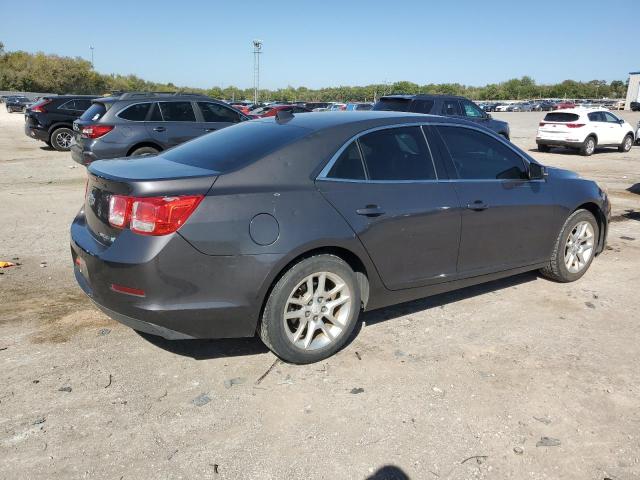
{"x": 472, "y": 111}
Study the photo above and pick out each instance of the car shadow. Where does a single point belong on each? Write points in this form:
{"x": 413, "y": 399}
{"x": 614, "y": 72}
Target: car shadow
{"x": 236, "y": 347}
{"x": 629, "y": 214}
{"x": 572, "y": 151}
{"x": 389, "y": 472}
{"x": 47, "y": 148}
{"x": 635, "y": 188}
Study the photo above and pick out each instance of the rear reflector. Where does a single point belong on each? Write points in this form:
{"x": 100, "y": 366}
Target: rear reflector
{"x": 96, "y": 131}
{"x": 151, "y": 215}
{"x": 136, "y": 292}
{"x": 575, "y": 125}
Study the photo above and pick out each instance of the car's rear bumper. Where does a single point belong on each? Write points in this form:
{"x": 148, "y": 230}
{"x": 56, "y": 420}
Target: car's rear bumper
{"x": 35, "y": 132}
{"x": 187, "y": 294}
{"x": 556, "y": 142}
{"x": 81, "y": 156}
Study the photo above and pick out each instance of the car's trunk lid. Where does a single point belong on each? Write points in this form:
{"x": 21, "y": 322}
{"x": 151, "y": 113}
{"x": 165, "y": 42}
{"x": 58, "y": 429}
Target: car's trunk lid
{"x": 150, "y": 176}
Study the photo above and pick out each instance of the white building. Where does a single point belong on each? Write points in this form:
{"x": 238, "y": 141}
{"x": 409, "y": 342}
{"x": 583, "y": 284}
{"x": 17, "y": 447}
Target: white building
{"x": 633, "y": 92}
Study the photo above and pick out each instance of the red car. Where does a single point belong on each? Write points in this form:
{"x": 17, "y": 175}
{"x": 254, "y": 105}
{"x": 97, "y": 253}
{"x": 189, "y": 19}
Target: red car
{"x": 563, "y": 105}
{"x": 271, "y": 110}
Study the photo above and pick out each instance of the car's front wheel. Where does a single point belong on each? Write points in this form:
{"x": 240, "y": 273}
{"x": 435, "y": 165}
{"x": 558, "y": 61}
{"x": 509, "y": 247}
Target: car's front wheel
{"x": 61, "y": 139}
{"x": 626, "y": 144}
{"x": 574, "y": 249}
{"x": 312, "y": 310}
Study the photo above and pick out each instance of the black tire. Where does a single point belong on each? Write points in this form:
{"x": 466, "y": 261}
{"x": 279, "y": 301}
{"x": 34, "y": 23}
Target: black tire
{"x": 543, "y": 148}
{"x": 144, "y": 151}
{"x": 48, "y": 142}
{"x": 272, "y": 328}
{"x": 557, "y": 269}
{"x": 589, "y": 146}
{"x": 61, "y": 139}
{"x": 626, "y": 144}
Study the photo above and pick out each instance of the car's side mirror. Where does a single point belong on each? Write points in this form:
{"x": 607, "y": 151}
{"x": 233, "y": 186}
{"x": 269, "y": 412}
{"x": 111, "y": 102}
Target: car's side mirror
{"x": 537, "y": 171}
{"x": 620, "y": 121}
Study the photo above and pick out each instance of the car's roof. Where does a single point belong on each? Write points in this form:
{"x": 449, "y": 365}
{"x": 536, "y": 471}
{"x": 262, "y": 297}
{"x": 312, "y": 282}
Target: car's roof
{"x": 580, "y": 110}
{"x": 365, "y": 119}
{"x": 423, "y": 96}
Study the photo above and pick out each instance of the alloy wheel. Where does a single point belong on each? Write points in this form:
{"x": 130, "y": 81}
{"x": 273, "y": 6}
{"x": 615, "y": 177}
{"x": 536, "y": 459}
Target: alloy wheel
{"x": 591, "y": 146}
{"x": 317, "y": 310}
{"x": 579, "y": 247}
{"x": 64, "y": 139}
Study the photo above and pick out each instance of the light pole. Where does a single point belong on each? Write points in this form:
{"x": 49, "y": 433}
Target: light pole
{"x": 257, "y": 50}
{"x": 91, "y": 48}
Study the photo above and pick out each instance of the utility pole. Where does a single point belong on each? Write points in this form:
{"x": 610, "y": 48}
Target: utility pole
{"x": 91, "y": 48}
{"x": 257, "y": 50}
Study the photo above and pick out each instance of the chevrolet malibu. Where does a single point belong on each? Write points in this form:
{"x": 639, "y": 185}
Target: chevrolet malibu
{"x": 289, "y": 227}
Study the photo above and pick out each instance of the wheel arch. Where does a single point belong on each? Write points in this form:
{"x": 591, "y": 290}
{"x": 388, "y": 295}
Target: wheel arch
{"x": 58, "y": 125}
{"x": 143, "y": 144}
{"x": 600, "y": 217}
{"x": 345, "y": 254}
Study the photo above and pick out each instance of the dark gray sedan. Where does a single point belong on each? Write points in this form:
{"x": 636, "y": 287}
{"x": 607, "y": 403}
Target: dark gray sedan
{"x": 289, "y": 227}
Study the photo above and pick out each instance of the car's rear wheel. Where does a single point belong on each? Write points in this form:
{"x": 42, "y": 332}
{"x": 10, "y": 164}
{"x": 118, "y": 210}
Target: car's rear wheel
{"x": 61, "y": 139}
{"x": 626, "y": 144}
{"x": 588, "y": 146}
{"x": 543, "y": 148}
{"x": 574, "y": 249}
{"x": 312, "y": 310}
{"x": 144, "y": 151}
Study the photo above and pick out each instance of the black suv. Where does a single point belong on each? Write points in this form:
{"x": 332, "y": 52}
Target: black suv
{"x": 142, "y": 123}
{"x": 447, "y": 105}
{"x": 51, "y": 119}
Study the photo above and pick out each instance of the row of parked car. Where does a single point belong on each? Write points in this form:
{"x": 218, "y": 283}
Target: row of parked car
{"x": 549, "y": 105}
{"x": 140, "y": 123}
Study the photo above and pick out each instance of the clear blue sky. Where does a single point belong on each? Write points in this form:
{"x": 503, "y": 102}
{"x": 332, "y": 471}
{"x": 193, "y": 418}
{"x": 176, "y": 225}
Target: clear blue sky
{"x": 329, "y": 43}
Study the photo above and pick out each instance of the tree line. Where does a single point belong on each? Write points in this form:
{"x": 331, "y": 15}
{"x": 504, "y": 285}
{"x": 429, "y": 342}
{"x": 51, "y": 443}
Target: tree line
{"x": 40, "y": 72}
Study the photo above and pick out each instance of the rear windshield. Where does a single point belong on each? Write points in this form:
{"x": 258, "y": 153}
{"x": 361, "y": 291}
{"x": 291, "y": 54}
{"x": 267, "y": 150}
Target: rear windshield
{"x": 236, "y": 146}
{"x": 393, "y": 104}
{"x": 94, "y": 112}
{"x": 561, "y": 117}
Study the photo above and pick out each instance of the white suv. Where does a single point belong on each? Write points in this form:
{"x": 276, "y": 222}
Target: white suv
{"x": 584, "y": 129}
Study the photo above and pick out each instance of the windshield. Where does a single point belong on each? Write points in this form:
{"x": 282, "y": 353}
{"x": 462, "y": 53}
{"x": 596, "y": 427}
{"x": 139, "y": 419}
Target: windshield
{"x": 393, "y": 104}
{"x": 94, "y": 112}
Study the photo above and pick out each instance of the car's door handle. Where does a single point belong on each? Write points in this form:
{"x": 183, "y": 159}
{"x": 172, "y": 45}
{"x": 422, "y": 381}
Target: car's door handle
{"x": 477, "y": 206}
{"x": 159, "y": 129}
{"x": 210, "y": 129}
{"x": 370, "y": 211}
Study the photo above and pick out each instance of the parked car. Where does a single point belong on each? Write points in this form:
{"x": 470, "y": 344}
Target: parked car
{"x": 635, "y": 106}
{"x": 17, "y": 104}
{"x": 584, "y": 129}
{"x": 315, "y": 105}
{"x": 255, "y": 228}
{"x": 616, "y": 105}
{"x": 448, "y": 105}
{"x": 542, "y": 106}
{"x": 503, "y": 107}
{"x": 564, "y": 105}
{"x": 50, "y": 120}
{"x": 638, "y": 134}
{"x": 520, "y": 107}
{"x": 337, "y": 107}
{"x": 272, "y": 110}
{"x": 490, "y": 107}
{"x": 134, "y": 124}
{"x": 330, "y": 106}
{"x": 358, "y": 106}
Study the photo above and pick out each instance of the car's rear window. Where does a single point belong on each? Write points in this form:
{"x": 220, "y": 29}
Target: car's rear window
{"x": 561, "y": 117}
{"x": 234, "y": 147}
{"x": 94, "y": 112}
{"x": 393, "y": 104}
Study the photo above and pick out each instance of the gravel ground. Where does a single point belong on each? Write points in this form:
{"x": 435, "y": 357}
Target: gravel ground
{"x": 519, "y": 378}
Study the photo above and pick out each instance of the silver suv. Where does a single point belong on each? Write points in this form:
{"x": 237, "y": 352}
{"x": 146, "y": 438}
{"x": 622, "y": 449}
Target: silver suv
{"x": 146, "y": 123}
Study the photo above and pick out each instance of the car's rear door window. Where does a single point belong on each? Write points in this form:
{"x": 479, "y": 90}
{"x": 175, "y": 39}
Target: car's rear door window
{"x": 422, "y": 106}
{"x": 68, "y": 105}
{"x": 135, "y": 113}
{"x": 597, "y": 117}
{"x": 397, "y": 154}
{"x": 156, "y": 115}
{"x": 349, "y": 165}
{"x": 214, "y": 112}
{"x": 451, "y": 108}
{"x": 393, "y": 104}
{"x": 479, "y": 156}
{"x": 177, "y": 112}
{"x": 82, "y": 104}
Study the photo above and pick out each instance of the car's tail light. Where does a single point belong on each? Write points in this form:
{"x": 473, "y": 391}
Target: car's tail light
{"x": 96, "y": 131}
{"x": 151, "y": 215}
{"x": 119, "y": 211}
{"x": 575, "y": 125}
{"x": 39, "y": 107}
{"x": 541, "y": 124}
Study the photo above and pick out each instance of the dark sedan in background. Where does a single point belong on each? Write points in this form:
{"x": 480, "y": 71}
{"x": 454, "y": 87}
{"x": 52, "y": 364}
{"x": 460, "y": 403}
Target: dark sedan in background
{"x": 288, "y": 227}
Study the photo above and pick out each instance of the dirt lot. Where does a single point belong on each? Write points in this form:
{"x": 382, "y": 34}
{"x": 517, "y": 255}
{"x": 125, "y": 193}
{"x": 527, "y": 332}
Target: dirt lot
{"x": 462, "y": 385}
